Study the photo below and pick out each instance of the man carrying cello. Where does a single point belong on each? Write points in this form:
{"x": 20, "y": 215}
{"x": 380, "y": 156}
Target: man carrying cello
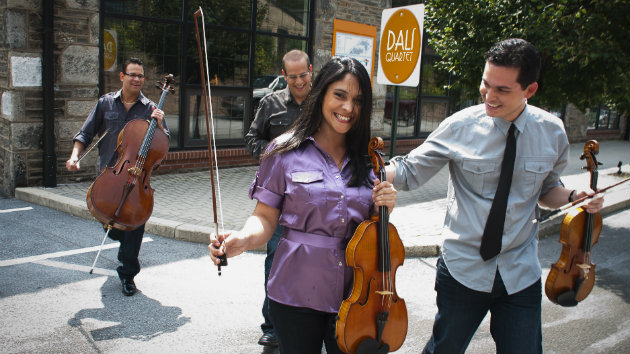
{"x": 505, "y": 158}
{"x": 111, "y": 113}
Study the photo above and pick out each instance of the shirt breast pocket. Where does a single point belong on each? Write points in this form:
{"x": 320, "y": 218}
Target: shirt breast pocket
{"x": 535, "y": 173}
{"x": 278, "y": 124}
{"x": 478, "y": 174}
{"x": 309, "y": 186}
{"x": 111, "y": 121}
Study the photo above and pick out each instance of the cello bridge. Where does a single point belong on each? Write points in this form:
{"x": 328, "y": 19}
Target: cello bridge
{"x": 134, "y": 171}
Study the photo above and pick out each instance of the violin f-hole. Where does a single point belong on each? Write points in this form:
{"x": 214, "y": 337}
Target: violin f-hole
{"x": 367, "y": 293}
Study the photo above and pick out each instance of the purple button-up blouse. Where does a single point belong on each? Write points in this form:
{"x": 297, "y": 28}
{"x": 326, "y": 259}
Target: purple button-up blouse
{"x": 319, "y": 213}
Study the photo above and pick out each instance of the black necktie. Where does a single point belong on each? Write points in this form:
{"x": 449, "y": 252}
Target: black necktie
{"x": 493, "y": 232}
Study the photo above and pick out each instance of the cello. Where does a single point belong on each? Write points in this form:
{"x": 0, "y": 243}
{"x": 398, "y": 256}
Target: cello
{"x": 121, "y": 196}
{"x": 572, "y": 277}
{"x": 373, "y": 319}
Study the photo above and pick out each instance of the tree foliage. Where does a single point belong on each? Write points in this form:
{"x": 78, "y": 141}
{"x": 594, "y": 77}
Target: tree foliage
{"x": 584, "y": 45}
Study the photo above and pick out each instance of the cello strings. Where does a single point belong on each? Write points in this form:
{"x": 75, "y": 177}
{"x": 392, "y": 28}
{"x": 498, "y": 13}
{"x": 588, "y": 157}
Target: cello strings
{"x": 213, "y": 138}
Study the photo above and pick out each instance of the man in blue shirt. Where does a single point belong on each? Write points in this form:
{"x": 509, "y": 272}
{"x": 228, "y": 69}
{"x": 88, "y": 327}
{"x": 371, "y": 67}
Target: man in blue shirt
{"x": 506, "y": 282}
{"x": 112, "y": 112}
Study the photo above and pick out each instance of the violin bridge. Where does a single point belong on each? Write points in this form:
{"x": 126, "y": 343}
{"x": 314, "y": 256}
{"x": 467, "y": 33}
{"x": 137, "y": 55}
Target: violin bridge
{"x": 384, "y": 293}
{"x": 135, "y": 171}
{"x": 586, "y": 268}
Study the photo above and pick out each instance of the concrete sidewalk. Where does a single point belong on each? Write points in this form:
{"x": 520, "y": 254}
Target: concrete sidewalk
{"x": 183, "y": 202}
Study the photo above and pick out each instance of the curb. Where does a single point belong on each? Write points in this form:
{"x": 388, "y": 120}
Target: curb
{"x": 415, "y": 247}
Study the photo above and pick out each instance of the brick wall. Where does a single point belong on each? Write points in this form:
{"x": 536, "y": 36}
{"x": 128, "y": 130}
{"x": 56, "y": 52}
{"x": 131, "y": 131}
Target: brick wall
{"x": 198, "y": 159}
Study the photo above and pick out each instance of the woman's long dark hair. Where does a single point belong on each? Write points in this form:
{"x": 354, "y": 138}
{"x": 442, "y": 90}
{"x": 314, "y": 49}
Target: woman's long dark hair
{"x": 310, "y": 119}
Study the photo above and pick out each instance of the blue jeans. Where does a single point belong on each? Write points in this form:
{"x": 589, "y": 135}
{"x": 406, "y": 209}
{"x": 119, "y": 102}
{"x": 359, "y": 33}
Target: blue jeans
{"x": 515, "y": 322}
{"x": 272, "y": 245}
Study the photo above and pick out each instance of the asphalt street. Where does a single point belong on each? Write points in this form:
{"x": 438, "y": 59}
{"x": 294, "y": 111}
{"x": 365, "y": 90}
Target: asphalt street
{"x": 49, "y": 303}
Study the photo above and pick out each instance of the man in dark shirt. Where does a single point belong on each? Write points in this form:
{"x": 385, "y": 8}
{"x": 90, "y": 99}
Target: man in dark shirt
{"x": 277, "y": 111}
{"x": 112, "y": 112}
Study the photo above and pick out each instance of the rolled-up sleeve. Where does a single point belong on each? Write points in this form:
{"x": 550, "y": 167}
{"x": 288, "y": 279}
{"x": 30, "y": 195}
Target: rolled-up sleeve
{"x": 90, "y": 127}
{"x": 269, "y": 184}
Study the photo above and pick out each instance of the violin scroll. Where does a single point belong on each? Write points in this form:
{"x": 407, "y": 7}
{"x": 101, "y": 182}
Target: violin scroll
{"x": 376, "y": 160}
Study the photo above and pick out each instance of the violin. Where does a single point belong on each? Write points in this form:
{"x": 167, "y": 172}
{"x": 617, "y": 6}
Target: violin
{"x": 373, "y": 319}
{"x": 572, "y": 277}
{"x": 121, "y": 196}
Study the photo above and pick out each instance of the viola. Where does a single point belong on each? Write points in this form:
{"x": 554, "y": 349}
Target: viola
{"x": 121, "y": 196}
{"x": 572, "y": 277}
{"x": 373, "y": 319}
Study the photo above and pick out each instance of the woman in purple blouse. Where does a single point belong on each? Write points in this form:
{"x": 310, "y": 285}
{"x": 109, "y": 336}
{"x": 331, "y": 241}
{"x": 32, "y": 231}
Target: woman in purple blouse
{"x": 314, "y": 180}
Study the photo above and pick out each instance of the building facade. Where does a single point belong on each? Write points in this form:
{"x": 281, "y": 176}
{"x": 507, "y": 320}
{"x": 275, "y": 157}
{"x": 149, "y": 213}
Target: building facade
{"x": 58, "y": 56}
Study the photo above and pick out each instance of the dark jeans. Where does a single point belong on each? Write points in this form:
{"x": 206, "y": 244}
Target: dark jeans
{"x": 515, "y": 322}
{"x": 272, "y": 245}
{"x": 130, "y": 242}
{"x": 303, "y": 331}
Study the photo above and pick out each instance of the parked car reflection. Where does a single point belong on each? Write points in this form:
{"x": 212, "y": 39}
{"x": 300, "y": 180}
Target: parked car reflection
{"x": 266, "y": 84}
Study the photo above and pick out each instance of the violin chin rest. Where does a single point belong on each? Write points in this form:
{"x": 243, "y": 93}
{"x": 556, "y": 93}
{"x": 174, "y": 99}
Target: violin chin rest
{"x": 567, "y": 299}
{"x": 372, "y": 346}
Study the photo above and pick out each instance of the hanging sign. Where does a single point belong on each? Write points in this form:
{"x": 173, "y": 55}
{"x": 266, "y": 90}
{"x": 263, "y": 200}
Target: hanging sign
{"x": 400, "y": 46}
{"x": 109, "y": 50}
{"x": 355, "y": 40}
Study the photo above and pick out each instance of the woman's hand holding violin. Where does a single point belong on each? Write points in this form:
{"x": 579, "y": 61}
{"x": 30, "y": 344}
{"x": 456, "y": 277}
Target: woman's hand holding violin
{"x": 384, "y": 194}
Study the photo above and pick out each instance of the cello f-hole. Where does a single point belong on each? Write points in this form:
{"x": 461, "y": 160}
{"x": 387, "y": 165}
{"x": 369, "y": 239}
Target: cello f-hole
{"x": 122, "y": 167}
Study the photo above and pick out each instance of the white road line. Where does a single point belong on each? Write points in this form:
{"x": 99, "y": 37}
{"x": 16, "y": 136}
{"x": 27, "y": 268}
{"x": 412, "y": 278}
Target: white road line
{"x": 82, "y": 268}
{"x": 31, "y": 259}
{"x": 16, "y": 209}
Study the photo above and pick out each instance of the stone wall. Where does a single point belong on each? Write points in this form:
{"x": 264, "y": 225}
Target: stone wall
{"x": 21, "y": 94}
{"x": 76, "y": 54}
{"x": 576, "y": 126}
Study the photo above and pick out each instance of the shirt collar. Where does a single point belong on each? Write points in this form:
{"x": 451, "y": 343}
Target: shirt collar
{"x": 520, "y": 122}
{"x": 145, "y": 101}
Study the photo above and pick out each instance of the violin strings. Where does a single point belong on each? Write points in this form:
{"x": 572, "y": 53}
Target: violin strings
{"x": 213, "y": 138}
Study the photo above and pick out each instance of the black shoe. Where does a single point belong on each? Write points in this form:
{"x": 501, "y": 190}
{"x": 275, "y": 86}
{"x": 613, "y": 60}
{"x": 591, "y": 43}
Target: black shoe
{"x": 269, "y": 340}
{"x": 128, "y": 286}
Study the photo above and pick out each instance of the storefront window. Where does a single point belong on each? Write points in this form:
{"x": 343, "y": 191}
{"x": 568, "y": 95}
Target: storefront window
{"x": 145, "y": 8}
{"x": 407, "y": 101}
{"x": 232, "y": 13}
{"x": 156, "y": 44}
{"x": 228, "y": 58}
{"x": 283, "y": 16}
{"x": 432, "y": 107}
{"x": 243, "y": 51}
{"x": 602, "y": 118}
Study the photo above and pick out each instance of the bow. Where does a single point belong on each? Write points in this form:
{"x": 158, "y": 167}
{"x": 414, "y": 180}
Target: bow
{"x": 212, "y": 143}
